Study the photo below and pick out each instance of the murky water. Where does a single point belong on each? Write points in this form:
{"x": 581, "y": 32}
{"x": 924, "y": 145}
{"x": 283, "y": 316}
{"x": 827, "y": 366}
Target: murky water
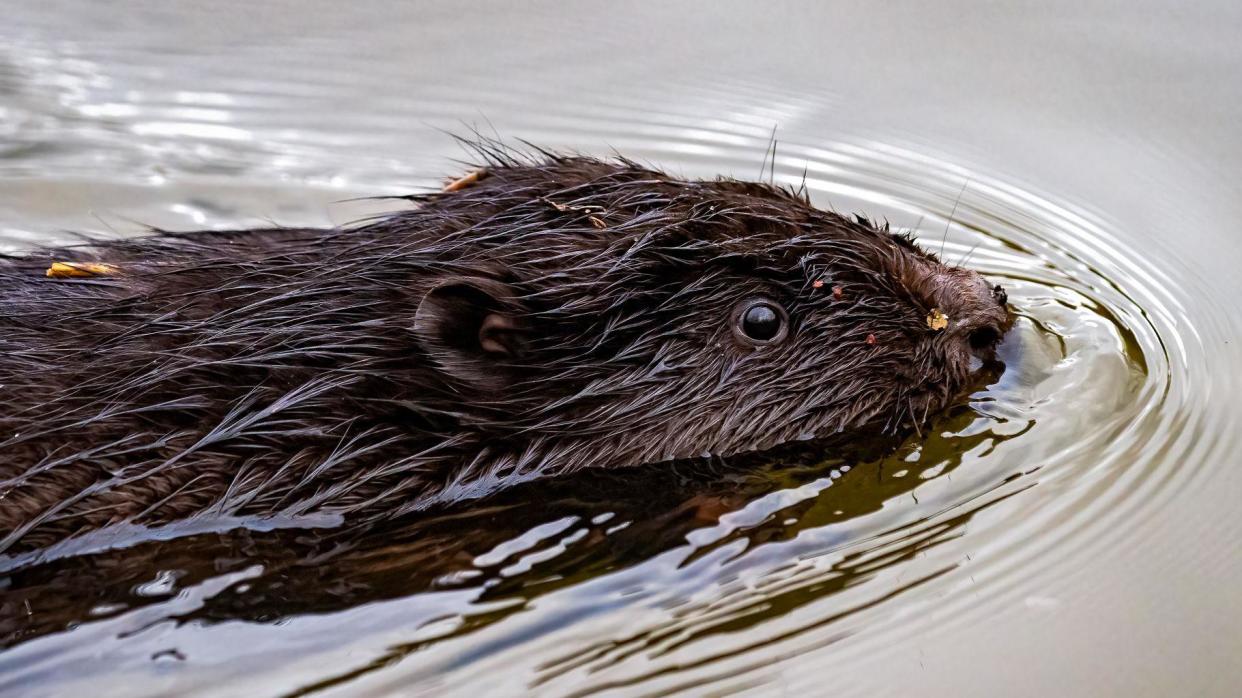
{"x": 1071, "y": 530}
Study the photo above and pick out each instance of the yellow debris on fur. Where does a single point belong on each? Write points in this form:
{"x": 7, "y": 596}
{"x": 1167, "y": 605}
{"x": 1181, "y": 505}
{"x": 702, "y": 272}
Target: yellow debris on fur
{"x": 79, "y": 270}
{"x": 937, "y": 320}
{"x": 467, "y": 180}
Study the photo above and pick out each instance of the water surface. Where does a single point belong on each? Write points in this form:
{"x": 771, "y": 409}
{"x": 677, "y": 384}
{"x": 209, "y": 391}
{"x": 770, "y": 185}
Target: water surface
{"x": 1069, "y": 529}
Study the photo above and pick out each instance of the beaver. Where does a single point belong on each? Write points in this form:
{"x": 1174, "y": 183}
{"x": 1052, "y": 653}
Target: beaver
{"x": 544, "y": 314}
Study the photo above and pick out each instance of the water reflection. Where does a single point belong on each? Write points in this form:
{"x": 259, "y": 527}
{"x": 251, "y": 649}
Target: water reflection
{"x": 524, "y": 543}
{"x": 571, "y": 534}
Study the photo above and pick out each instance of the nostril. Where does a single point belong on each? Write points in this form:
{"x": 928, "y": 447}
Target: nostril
{"x": 983, "y": 338}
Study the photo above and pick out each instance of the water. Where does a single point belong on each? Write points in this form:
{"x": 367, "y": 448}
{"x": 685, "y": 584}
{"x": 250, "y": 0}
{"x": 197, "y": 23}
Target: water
{"x": 1070, "y": 531}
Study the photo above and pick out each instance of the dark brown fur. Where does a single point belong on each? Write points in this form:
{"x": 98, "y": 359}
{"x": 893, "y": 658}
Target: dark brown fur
{"x": 284, "y": 372}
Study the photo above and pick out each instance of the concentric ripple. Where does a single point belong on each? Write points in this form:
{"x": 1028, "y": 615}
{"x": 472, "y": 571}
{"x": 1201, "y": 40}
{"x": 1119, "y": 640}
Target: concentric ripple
{"x": 641, "y": 583}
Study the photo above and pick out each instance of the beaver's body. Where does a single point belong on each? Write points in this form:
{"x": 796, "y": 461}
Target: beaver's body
{"x": 552, "y": 316}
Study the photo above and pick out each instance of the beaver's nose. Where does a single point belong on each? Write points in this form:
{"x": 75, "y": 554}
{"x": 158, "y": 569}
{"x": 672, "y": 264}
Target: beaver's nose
{"x": 999, "y": 295}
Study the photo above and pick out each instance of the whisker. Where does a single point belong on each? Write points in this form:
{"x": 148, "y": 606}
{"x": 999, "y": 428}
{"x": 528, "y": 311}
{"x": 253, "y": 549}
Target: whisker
{"x": 952, "y": 213}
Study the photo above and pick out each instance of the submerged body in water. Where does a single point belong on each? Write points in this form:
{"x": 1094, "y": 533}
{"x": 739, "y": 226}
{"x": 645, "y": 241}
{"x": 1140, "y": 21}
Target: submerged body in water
{"x": 538, "y": 317}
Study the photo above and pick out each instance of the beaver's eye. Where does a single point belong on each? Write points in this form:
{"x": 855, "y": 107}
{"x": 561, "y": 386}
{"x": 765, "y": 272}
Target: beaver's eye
{"x": 760, "y": 321}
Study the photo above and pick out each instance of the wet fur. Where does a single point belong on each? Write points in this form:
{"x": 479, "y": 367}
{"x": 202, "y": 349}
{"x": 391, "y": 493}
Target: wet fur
{"x": 283, "y": 372}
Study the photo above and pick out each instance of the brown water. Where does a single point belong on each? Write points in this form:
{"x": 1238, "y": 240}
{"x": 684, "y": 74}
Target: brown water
{"x": 1071, "y": 531}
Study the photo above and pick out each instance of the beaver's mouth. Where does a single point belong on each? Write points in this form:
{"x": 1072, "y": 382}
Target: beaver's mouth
{"x": 977, "y": 370}
{"x": 985, "y": 339}
{"x": 975, "y": 348}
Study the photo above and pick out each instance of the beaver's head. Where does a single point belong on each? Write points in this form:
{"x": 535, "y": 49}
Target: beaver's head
{"x": 590, "y": 313}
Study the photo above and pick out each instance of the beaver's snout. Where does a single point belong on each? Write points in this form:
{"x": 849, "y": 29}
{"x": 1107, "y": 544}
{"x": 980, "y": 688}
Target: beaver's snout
{"x": 976, "y": 312}
{"x": 984, "y": 330}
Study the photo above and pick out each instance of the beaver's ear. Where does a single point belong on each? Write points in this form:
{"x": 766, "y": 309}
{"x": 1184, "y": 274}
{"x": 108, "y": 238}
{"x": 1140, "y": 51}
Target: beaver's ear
{"x": 471, "y": 327}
